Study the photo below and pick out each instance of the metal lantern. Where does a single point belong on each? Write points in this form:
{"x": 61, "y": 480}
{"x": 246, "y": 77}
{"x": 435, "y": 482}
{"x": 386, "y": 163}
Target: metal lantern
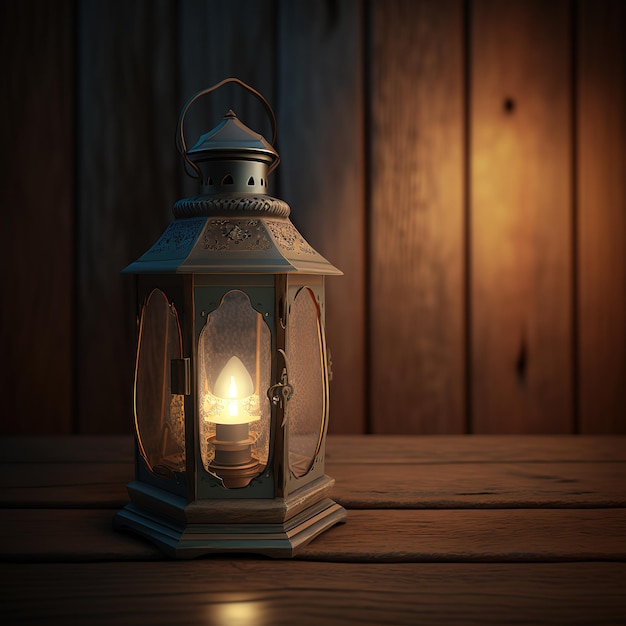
{"x": 231, "y": 376}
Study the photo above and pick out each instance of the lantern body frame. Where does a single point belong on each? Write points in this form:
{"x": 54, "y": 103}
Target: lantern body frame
{"x": 224, "y": 242}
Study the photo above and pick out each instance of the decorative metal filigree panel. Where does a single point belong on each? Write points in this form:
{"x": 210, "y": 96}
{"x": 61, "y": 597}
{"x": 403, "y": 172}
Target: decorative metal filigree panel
{"x": 227, "y": 234}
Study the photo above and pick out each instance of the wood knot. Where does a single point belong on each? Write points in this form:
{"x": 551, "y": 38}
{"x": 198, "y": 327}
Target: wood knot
{"x": 521, "y": 363}
{"x": 508, "y": 106}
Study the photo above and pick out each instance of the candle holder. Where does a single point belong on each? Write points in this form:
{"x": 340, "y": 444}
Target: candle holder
{"x": 231, "y": 376}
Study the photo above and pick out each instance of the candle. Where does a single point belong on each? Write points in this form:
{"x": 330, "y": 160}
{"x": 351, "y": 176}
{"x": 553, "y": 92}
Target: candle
{"x": 232, "y": 441}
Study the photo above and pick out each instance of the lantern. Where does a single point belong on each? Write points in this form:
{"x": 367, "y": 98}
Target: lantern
{"x": 231, "y": 376}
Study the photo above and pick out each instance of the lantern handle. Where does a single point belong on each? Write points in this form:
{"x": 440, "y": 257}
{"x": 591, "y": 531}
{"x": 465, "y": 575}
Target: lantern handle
{"x": 181, "y": 144}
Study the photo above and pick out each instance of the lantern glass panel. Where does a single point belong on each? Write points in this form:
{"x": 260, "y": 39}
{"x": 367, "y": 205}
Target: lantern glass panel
{"x": 159, "y": 414}
{"x": 306, "y": 410}
{"x": 234, "y": 371}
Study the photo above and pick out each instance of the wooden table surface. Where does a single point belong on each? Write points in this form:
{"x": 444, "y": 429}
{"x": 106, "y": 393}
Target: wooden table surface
{"x": 441, "y": 529}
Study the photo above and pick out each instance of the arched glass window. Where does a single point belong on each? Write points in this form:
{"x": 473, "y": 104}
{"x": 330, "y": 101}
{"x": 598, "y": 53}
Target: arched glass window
{"x": 306, "y": 410}
{"x": 159, "y": 414}
{"x": 234, "y": 370}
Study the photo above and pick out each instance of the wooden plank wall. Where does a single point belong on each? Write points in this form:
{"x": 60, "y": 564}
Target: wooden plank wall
{"x": 463, "y": 161}
{"x": 37, "y": 43}
{"x": 601, "y": 214}
{"x": 321, "y": 176}
{"x": 126, "y": 183}
{"x": 416, "y": 185}
{"x": 520, "y": 241}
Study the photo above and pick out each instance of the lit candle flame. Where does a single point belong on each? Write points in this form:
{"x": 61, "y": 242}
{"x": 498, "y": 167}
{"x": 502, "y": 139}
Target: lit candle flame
{"x": 234, "y": 385}
{"x": 233, "y": 408}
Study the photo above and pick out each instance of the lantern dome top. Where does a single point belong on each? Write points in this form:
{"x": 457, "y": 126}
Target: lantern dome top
{"x": 231, "y": 138}
{"x": 230, "y": 159}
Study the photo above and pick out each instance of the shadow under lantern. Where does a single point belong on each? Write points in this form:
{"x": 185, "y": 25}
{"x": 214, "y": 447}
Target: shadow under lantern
{"x": 231, "y": 377}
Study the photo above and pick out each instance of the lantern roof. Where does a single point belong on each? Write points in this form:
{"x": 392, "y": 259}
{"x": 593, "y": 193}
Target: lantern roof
{"x": 233, "y": 225}
{"x": 235, "y": 243}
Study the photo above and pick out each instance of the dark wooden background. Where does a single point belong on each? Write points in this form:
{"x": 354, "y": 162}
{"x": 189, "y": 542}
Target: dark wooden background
{"x": 464, "y": 163}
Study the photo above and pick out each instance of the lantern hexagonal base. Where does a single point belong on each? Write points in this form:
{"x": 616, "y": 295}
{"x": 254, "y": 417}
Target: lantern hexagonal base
{"x": 194, "y": 540}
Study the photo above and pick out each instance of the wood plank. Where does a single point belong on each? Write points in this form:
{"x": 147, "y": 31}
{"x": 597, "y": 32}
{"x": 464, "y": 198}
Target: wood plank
{"x": 388, "y": 536}
{"x": 71, "y": 485}
{"x": 37, "y": 200}
{"x": 127, "y": 183}
{"x": 322, "y": 174}
{"x": 485, "y": 536}
{"x": 417, "y": 377}
{"x": 68, "y": 535}
{"x": 601, "y": 185}
{"x": 358, "y": 485}
{"x": 475, "y": 485}
{"x": 341, "y": 449}
{"x": 284, "y": 592}
{"x": 72, "y": 449}
{"x": 221, "y": 39}
{"x": 521, "y": 217}
{"x": 448, "y": 449}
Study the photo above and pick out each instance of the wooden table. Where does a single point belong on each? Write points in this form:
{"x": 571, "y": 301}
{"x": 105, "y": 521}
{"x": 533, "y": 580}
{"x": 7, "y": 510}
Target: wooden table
{"x": 469, "y": 530}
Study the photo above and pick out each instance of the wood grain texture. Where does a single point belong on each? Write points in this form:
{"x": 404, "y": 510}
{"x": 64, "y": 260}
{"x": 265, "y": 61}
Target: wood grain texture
{"x": 37, "y": 208}
{"x": 474, "y": 536}
{"x": 521, "y": 217}
{"x": 476, "y": 485}
{"x": 350, "y": 449}
{"x": 322, "y": 174}
{"x": 127, "y": 110}
{"x": 221, "y": 39}
{"x": 219, "y": 591}
{"x": 460, "y": 449}
{"x": 375, "y": 485}
{"x": 479, "y": 565}
{"x": 416, "y": 302}
{"x": 64, "y": 449}
{"x": 68, "y": 535}
{"x": 601, "y": 186}
{"x": 380, "y": 536}
{"x": 60, "y": 485}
